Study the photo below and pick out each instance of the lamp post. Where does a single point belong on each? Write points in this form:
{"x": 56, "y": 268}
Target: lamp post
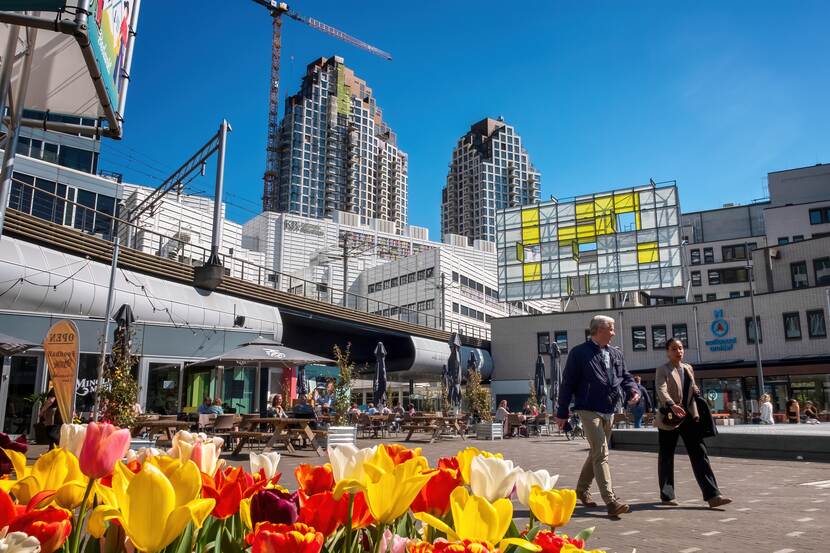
{"x": 758, "y": 363}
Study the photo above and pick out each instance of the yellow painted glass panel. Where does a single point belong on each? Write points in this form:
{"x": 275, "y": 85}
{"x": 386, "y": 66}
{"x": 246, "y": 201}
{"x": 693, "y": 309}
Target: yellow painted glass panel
{"x": 626, "y": 203}
{"x": 606, "y": 225}
{"x": 603, "y": 205}
{"x": 567, "y": 233}
{"x": 584, "y": 211}
{"x": 532, "y": 271}
{"x": 520, "y": 252}
{"x": 647, "y": 253}
{"x": 530, "y": 235}
{"x": 530, "y": 216}
{"x": 586, "y": 231}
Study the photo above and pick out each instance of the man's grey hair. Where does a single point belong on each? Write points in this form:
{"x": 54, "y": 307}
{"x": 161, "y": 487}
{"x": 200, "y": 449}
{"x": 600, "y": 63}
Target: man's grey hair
{"x": 598, "y": 322}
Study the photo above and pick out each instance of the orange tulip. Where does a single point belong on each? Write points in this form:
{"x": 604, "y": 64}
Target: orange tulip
{"x": 228, "y": 488}
{"x": 443, "y": 546}
{"x": 313, "y": 480}
{"x": 51, "y": 526}
{"x": 400, "y": 454}
{"x": 434, "y": 497}
{"x": 104, "y": 445}
{"x": 285, "y": 538}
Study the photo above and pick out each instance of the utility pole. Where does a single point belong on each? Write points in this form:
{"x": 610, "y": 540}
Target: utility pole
{"x": 758, "y": 364}
{"x": 443, "y": 297}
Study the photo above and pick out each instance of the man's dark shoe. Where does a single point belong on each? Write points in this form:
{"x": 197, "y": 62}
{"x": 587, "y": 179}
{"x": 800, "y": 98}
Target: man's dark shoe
{"x": 617, "y": 508}
{"x": 671, "y": 502}
{"x": 586, "y": 499}
{"x": 719, "y": 501}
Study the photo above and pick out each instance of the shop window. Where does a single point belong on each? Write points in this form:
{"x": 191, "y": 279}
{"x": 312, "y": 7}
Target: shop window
{"x": 561, "y": 339}
{"x": 708, "y": 255}
{"x": 751, "y": 328}
{"x": 792, "y": 326}
{"x": 816, "y": 325}
{"x": 658, "y": 337}
{"x": 681, "y": 332}
{"x": 696, "y": 281}
{"x": 695, "y": 256}
{"x": 542, "y": 342}
{"x": 638, "y": 338}
{"x": 798, "y": 274}
{"x": 821, "y": 267}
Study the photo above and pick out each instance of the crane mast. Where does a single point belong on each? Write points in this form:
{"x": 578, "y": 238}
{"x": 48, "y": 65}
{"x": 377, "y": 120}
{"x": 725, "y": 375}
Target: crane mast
{"x": 277, "y": 9}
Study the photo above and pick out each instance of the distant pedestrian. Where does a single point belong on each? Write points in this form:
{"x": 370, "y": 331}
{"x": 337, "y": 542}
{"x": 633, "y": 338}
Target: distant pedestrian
{"x": 676, "y": 391}
{"x": 793, "y": 411}
{"x": 593, "y": 377}
{"x": 50, "y": 417}
{"x": 766, "y": 410}
{"x": 810, "y": 413}
{"x": 641, "y": 407}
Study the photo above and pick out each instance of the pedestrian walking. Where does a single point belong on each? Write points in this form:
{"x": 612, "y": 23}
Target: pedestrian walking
{"x": 596, "y": 379}
{"x": 678, "y": 416}
{"x": 641, "y": 407}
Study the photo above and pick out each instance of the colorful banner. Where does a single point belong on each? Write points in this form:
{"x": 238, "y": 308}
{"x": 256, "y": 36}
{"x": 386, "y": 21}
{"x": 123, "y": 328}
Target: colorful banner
{"x": 61, "y": 347}
{"x": 109, "y": 32}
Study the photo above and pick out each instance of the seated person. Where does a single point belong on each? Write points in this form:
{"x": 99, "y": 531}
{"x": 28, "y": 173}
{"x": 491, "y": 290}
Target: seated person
{"x": 372, "y": 410}
{"x": 385, "y": 410}
{"x": 206, "y": 407}
{"x": 810, "y": 413}
{"x": 410, "y": 410}
{"x": 276, "y": 409}
{"x": 302, "y": 409}
{"x": 216, "y": 408}
{"x": 502, "y": 413}
{"x": 397, "y": 408}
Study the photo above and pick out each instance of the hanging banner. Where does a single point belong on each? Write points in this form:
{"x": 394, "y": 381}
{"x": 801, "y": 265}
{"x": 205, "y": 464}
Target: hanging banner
{"x": 109, "y": 33}
{"x": 61, "y": 347}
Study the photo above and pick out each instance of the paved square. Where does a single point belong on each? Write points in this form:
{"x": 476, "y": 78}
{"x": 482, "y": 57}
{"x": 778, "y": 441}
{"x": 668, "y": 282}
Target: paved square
{"x": 779, "y": 506}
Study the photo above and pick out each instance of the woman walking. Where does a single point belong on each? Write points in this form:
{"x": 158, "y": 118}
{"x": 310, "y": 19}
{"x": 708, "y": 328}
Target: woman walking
{"x": 678, "y": 417}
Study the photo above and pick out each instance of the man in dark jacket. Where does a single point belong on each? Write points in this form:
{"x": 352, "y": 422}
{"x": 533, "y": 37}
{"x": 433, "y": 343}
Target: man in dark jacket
{"x": 596, "y": 379}
{"x": 641, "y": 407}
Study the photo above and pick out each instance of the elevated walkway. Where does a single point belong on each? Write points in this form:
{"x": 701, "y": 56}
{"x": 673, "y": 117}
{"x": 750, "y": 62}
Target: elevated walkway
{"x": 781, "y": 442}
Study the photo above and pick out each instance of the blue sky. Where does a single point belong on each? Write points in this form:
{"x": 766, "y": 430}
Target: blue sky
{"x": 604, "y": 94}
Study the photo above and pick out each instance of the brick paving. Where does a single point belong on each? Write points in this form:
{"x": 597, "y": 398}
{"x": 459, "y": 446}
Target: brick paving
{"x": 779, "y": 506}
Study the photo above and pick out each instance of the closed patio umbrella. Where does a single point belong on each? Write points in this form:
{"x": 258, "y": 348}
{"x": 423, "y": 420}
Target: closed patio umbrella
{"x": 554, "y": 373}
{"x": 539, "y": 381}
{"x": 380, "y": 375}
{"x": 454, "y": 369}
{"x": 301, "y": 384}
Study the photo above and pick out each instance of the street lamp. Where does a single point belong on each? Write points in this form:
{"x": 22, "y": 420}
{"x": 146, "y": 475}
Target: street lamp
{"x": 758, "y": 365}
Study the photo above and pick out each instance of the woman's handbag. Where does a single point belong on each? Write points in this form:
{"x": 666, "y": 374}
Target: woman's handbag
{"x": 669, "y": 417}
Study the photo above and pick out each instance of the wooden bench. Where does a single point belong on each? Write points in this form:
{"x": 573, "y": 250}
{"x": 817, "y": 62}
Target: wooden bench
{"x": 244, "y": 436}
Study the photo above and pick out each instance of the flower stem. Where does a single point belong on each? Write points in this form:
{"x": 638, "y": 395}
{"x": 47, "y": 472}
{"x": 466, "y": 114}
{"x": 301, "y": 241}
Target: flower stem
{"x": 347, "y": 541}
{"x": 76, "y": 531}
{"x": 379, "y": 537}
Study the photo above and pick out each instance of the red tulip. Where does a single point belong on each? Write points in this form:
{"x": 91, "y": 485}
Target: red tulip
{"x": 104, "y": 445}
{"x": 434, "y": 497}
{"x": 449, "y": 463}
{"x": 443, "y": 546}
{"x": 313, "y": 480}
{"x": 51, "y": 526}
{"x": 229, "y": 488}
{"x": 551, "y": 542}
{"x": 323, "y": 512}
{"x": 285, "y": 538}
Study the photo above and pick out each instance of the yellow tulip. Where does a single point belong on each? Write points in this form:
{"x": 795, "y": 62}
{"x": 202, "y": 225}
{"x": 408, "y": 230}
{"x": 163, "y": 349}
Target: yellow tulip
{"x": 57, "y": 470}
{"x": 465, "y": 459}
{"x": 476, "y": 519}
{"x": 155, "y": 505}
{"x": 552, "y": 507}
{"x": 391, "y": 489}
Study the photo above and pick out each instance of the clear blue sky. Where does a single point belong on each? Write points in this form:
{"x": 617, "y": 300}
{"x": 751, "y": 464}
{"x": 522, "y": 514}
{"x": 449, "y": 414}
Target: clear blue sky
{"x": 604, "y": 94}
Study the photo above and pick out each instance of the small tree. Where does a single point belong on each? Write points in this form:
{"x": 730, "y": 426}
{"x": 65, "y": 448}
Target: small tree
{"x": 119, "y": 398}
{"x": 478, "y": 397}
{"x": 343, "y": 385}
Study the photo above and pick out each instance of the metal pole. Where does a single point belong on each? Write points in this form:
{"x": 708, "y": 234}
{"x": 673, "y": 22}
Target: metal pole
{"x": 8, "y": 66}
{"x": 443, "y": 299}
{"x": 11, "y": 142}
{"x": 216, "y": 242}
{"x": 697, "y": 336}
{"x": 758, "y": 364}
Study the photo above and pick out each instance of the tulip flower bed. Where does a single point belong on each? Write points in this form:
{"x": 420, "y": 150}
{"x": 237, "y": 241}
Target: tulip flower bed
{"x": 92, "y": 495}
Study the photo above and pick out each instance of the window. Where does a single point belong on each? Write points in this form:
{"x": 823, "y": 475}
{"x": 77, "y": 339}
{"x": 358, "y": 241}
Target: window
{"x": 821, "y": 267}
{"x": 681, "y": 332}
{"x": 454, "y": 276}
{"x": 638, "y": 338}
{"x": 820, "y": 216}
{"x": 542, "y": 342}
{"x": 816, "y": 326}
{"x": 798, "y": 237}
{"x": 75, "y": 158}
{"x": 696, "y": 278}
{"x": 733, "y": 253}
{"x": 695, "y": 256}
{"x": 714, "y": 277}
{"x": 658, "y": 337}
{"x": 698, "y": 297}
{"x": 751, "y": 330}
{"x": 734, "y": 294}
{"x": 561, "y": 339}
{"x": 798, "y": 274}
{"x": 783, "y": 240}
{"x": 792, "y": 326}
{"x": 708, "y": 255}
{"x": 711, "y": 297}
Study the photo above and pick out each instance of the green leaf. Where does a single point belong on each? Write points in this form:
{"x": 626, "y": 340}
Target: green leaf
{"x": 531, "y": 535}
{"x": 585, "y": 534}
{"x": 186, "y": 541}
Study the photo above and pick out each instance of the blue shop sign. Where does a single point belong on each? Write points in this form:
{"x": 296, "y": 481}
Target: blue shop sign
{"x": 719, "y": 329}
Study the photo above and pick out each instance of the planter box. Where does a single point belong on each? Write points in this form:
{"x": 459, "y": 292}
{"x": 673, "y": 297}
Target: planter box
{"x": 338, "y": 435}
{"x": 138, "y": 443}
{"x": 489, "y": 431}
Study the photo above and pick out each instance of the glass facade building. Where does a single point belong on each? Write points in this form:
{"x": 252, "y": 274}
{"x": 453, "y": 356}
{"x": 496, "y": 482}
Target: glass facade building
{"x": 336, "y": 153}
{"x": 490, "y": 170}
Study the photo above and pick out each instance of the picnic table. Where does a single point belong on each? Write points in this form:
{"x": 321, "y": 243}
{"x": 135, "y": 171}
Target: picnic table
{"x": 434, "y": 425}
{"x": 169, "y": 426}
{"x": 285, "y": 430}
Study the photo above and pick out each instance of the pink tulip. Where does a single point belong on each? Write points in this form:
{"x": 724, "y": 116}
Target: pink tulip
{"x": 104, "y": 445}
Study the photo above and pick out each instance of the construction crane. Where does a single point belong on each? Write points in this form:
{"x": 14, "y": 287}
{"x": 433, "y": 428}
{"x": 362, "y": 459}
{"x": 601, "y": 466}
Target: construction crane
{"x": 277, "y": 10}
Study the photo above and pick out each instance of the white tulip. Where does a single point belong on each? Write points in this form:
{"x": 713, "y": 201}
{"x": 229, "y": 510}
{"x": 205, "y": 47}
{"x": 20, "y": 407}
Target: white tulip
{"x": 199, "y": 448}
{"x": 529, "y": 478}
{"x": 492, "y": 478}
{"x": 72, "y": 438}
{"x": 347, "y": 461}
{"x": 18, "y": 542}
{"x": 266, "y": 461}
{"x": 142, "y": 454}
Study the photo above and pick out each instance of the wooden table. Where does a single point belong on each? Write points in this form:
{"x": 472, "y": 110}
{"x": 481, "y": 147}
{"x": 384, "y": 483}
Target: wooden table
{"x": 285, "y": 429}
{"x": 433, "y": 425}
{"x": 170, "y": 427}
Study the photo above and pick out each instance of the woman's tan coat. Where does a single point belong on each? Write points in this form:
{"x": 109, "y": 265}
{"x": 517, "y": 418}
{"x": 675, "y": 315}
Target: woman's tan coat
{"x": 667, "y": 383}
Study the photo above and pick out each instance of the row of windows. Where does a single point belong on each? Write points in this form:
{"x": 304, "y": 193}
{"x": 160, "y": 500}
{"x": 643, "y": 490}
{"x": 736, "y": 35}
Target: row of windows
{"x": 712, "y": 297}
{"x": 465, "y": 311}
{"x": 659, "y": 338}
{"x": 735, "y": 252}
{"x": 560, "y": 337}
{"x": 426, "y": 305}
{"x": 816, "y": 326}
{"x": 475, "y": 285}
{"x": 820, "y": 216}
{"x": 65, "y": 156}
{"x": 401, "y": 280}
{"x": 821, "y": 271}
{"x": 730, "y": 275}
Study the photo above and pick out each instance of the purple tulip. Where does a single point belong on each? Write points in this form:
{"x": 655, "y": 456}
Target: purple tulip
{"x": 20, "y": 445}
{"x": 275, "y": 506}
